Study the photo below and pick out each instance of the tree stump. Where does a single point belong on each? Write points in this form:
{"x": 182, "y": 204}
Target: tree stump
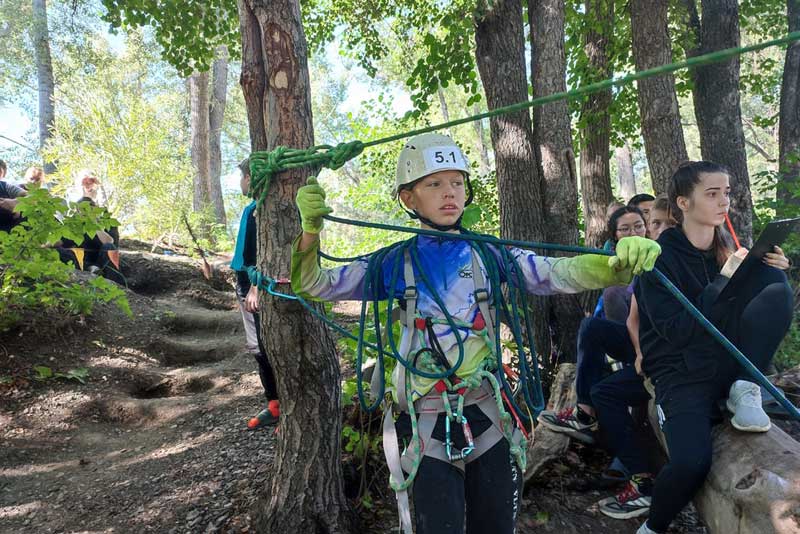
{"x": 549, "y": 445}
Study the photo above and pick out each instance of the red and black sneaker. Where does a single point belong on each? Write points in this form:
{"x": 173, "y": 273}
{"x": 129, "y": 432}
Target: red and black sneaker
{"x": 571, "y": 421}
{"x": 633, "y": 501}
{"x": 269, "y": 416}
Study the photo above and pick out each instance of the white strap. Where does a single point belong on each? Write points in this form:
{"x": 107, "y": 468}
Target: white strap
{"x": 391, "y": 450}
{"x": 482, "y": 291}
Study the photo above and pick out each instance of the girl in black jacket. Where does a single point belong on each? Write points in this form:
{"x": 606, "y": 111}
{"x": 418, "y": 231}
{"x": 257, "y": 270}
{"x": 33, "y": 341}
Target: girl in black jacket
{"x": 690, "y": 370}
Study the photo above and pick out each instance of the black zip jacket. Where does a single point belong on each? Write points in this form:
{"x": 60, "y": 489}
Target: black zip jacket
{"x": 674, "y": 344}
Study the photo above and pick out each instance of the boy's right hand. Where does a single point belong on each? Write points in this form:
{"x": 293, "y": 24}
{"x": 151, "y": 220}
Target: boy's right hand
{"x": 311, "y": 203}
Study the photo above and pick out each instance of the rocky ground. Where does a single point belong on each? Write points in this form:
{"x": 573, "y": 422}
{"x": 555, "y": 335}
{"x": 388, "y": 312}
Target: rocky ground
{"x": 155, "y": 440}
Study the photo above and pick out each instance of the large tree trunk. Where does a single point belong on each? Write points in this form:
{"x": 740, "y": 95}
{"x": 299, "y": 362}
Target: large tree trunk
{"x": 789, "y": 129}
{"x": 754, "y": 483}
{"x": 717, "y": 106}
{"x": 306, "y": 489}
{"x": 216, "y": 113}
{"x": 44, "y": 75}
{"x": 198, "y": 108}
{"x": 500, "y": 55}
{"x": 595, "y": 170}
{"x": 627, "y": 180}
{"x": 553, "y": 143}
{"x": 658, "y": 103}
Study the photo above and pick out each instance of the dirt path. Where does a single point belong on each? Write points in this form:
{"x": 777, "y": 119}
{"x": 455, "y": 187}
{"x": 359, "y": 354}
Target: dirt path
{"x": 156, "y": 441}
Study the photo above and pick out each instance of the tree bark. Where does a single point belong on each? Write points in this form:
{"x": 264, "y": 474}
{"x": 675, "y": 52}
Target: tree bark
{"x": 216, "y": 113}
{"x": 717, "y": 106}
{"x": 552, "y": 138}
{"x": 595, "y": 170}
{"x": 305, "y": 493}
{"x": 500, "y": 55}
{"x": 484, "y": 152}
{"x": 198, "y": 106}
{"x": 789, "y": 128}
{"x": 44, "y": 75}
{"x": 627, "y": 180}
{"x": 549, "y": 445}
{"x": 658, "y": 103}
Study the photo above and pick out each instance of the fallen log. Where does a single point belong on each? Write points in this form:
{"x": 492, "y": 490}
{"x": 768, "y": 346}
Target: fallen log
{"x": 754, "y": 482}
{"x": 548, "y": 445}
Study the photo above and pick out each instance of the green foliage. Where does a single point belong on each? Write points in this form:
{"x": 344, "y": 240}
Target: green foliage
{"x": 31, "y": 275}
{"x": 188, "y": 31}
{"x": 126, "y": 123}
{"x": 44, "y": 373}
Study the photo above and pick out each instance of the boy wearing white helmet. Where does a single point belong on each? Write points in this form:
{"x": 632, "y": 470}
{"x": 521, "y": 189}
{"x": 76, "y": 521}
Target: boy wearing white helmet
{"x": 469, "y": 467}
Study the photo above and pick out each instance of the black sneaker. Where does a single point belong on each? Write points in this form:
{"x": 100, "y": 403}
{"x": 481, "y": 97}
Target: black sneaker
{"x": 633, "y": 501}
{"x": 571, "y": 421}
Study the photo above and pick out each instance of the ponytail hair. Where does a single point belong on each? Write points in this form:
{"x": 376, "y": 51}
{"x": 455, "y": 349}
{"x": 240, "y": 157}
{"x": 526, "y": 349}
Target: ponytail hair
{"x": 681, "y": 184}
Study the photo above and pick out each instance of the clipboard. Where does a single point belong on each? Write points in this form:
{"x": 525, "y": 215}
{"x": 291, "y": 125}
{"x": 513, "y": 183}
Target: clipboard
{"x": 773, "y": 235}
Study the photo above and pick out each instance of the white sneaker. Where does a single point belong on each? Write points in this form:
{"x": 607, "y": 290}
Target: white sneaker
{"x": 744, "y": 402}
{"x": 644, "y": 529}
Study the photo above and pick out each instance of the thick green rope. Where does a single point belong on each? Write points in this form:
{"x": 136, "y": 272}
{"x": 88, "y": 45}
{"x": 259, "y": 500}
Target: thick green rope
{"x": 264, "y": 165}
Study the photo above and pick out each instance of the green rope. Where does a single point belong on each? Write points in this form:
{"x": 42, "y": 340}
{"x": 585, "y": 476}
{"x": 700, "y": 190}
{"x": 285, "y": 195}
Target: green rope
{"x": 264, "y": 165}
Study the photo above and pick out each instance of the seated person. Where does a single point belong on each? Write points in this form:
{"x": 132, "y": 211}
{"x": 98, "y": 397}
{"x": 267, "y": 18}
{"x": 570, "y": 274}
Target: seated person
{"x": 643, "y": 201}
{"x": 34, "y": 177}
{"x": 691, "y": 371}
{"x": 596, "y": 338}
{"x": 9, "y": 194}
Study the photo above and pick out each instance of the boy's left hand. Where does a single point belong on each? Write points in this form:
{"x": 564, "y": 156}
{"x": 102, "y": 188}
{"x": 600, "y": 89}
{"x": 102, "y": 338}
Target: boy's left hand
{"x": 636, "y": 253}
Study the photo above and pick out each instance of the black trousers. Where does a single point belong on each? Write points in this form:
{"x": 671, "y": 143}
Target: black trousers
{"x": 490, "y": 490}
{"x": 755, "y": 321}
{"x": 264, "y": 368}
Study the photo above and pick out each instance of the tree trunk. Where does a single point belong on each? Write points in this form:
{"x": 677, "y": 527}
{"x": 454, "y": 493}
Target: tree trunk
{"x": 552, "y": 138}
{"x": 478, "y": 126}
{"x": 443, "y": 105}
{"x": 500, "y": 55}
{"x": 198, "y": 106}
{"x": 753, "y": 485}
{"x": 789, "y": 129}
{"x": 627, "y": 180}
{"x": 216, "y": 112}
{"x": 595, "y": 171}
{"x": 44, "y": 75}
{"x": 658, "y": 103}
{"x": 306, "y": 492}
{"x": 717, "y": 106}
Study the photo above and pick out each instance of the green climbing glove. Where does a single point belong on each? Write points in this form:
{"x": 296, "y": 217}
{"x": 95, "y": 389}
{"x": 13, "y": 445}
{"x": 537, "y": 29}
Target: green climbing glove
{"x": 311, "y": 203}
{"x": 636, "y": 253}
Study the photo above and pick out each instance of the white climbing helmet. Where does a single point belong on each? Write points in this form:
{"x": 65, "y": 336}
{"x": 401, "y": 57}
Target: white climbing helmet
{"x": 426, "y": 154}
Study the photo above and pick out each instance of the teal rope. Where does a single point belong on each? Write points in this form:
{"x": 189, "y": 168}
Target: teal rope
{"x": 753, "y": 371}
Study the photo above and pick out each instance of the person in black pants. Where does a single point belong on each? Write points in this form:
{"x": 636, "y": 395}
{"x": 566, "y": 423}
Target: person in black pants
{"x": 245, "y": 256}
{"x": 690, "y": 370}
{"x": 597, "y": 337}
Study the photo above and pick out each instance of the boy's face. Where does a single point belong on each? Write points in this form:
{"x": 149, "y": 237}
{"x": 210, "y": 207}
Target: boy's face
{"x": 244, "y": 183}
{"x": 645, "y": 207}
{"x": 439, "y": 197}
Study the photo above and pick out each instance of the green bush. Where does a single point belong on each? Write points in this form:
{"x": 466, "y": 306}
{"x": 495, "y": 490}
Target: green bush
{"x": 31, "y": 275}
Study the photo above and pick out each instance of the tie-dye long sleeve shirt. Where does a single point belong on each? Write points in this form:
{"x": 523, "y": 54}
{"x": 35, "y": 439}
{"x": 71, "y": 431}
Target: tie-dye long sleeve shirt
{"x": 447, "y": 265}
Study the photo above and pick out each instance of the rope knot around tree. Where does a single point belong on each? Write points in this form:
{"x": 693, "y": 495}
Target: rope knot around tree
{"x": 265, "y": 164}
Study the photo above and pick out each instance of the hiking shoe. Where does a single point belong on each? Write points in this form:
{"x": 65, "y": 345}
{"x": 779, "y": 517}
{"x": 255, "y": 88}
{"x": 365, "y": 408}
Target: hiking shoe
{"x": 633, "y": 501}
{"x": 267, "y": 417}
{"x": 744, "y": 402}
{"x": 571, "y": 421}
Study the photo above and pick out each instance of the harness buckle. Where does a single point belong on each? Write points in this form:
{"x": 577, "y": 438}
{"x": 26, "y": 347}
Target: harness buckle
{"x": 410, "y": 293}
{"x": 481, "y": 294}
